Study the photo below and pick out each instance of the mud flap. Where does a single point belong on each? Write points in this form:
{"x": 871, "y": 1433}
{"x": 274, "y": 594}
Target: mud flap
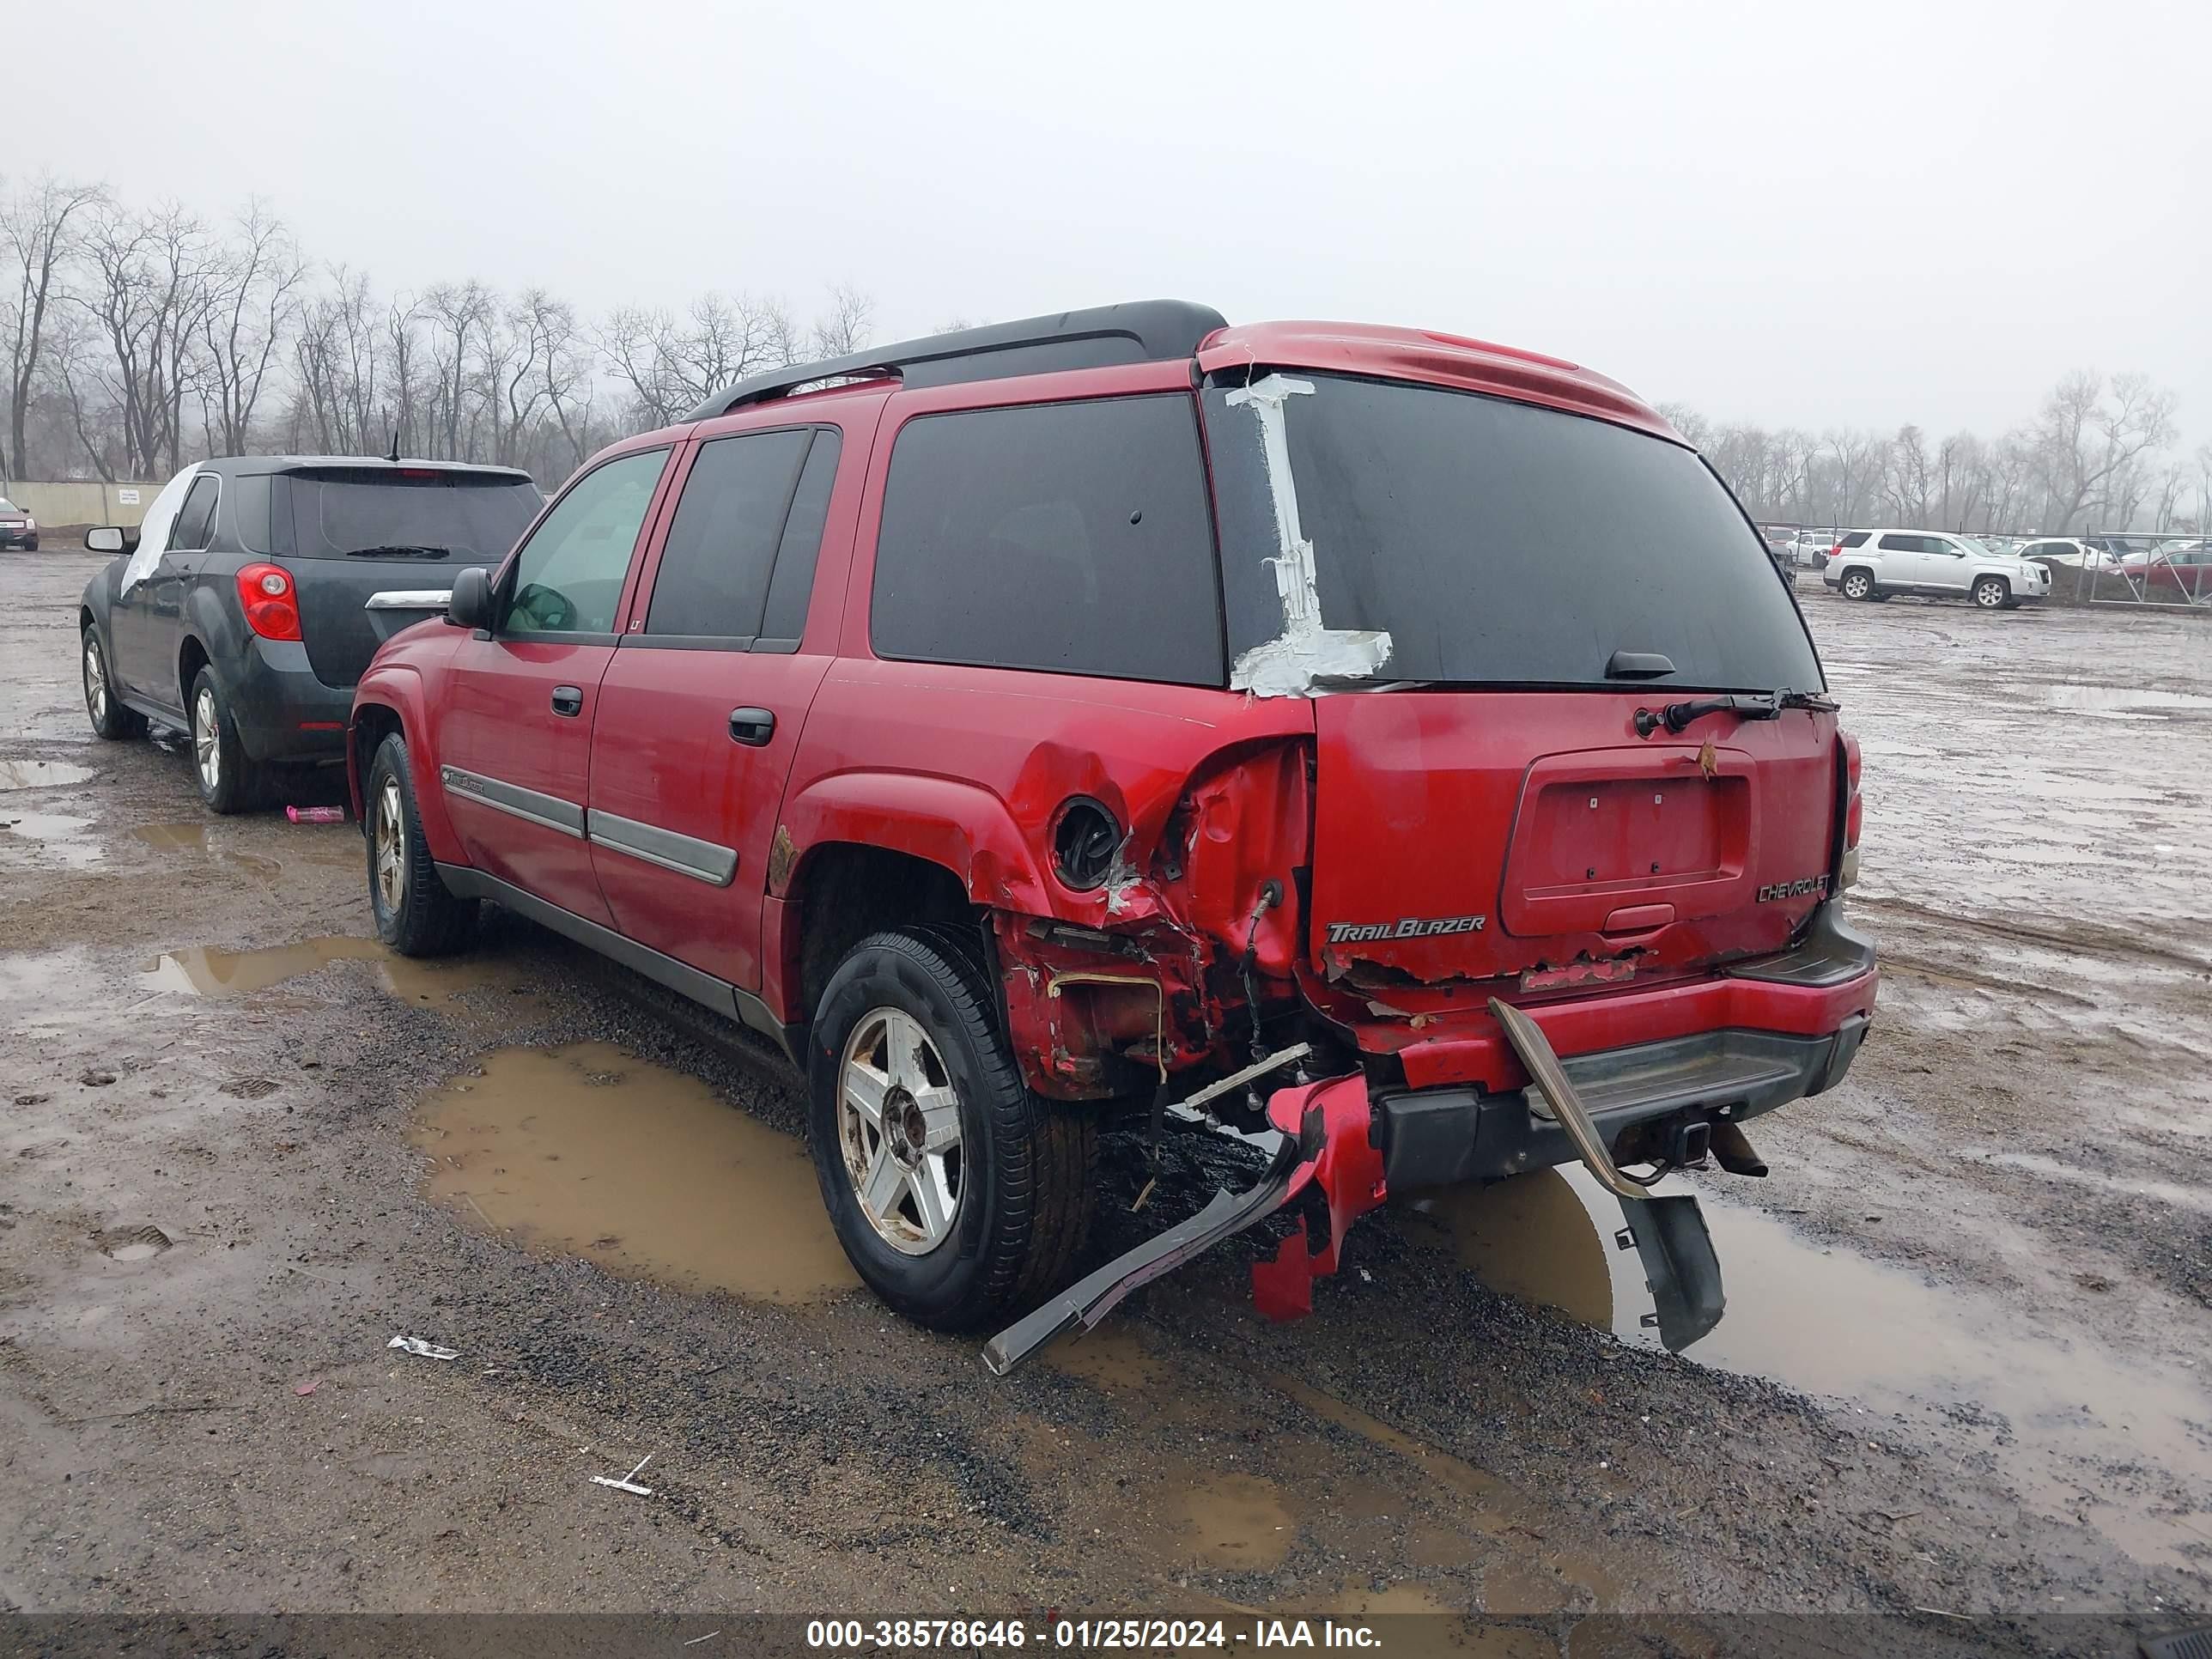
{"x": 1322, "y": 1115}
{"x": 1680, "y": 1263}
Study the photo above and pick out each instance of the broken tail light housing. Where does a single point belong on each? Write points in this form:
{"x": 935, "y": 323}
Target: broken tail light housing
{"x": 272, "y": 603}
{"x": 1854, "y": 812}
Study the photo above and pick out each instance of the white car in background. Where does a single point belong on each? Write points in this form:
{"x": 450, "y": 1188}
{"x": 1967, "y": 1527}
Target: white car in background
{"x": 2063, "y": 551}
{"x": 1878, "y": 564}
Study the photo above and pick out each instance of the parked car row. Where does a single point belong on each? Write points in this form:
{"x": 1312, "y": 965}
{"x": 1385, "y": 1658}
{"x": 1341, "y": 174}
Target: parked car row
{"x": 949, "y": 714}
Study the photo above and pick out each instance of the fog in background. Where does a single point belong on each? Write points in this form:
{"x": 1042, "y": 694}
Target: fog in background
{"x": 1789, "y": 217}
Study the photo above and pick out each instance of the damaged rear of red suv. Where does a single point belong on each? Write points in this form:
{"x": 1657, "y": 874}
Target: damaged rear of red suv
{"x": 1395, "y": 742}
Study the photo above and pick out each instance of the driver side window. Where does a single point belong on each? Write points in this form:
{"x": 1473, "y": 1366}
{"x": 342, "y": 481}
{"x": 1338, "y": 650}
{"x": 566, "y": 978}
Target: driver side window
{"x": 568, "y": 576}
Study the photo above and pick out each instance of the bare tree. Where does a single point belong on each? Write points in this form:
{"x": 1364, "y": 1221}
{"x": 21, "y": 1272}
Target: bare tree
{"x": 256, "y": 280}
{"x": 847, "y": 327}
{"x": 39, "y": 240}
{"x": 2088, "y": 435}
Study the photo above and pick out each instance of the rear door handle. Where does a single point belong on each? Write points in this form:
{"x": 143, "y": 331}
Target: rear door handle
{"x": 568, "y": 700}
{"x": 752, "y": 727}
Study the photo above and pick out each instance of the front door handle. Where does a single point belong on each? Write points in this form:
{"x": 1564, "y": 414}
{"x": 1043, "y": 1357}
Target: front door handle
{"x": 568, "y": 700}
{"x": 752, "y": 727}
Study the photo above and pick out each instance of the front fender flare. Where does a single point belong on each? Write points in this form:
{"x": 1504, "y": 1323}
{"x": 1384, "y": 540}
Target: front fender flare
{"x": 398, "y": 688}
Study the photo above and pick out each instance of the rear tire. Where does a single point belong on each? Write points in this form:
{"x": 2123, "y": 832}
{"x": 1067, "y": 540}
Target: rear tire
{"x": 1992, "y": 593}
{"x": 1856, "y": 584}
{"x": 415, "y": 913}
{"x": 110, "y": 718}
{"x": 978, "y": 1195}
{"x": 228, "y": 779}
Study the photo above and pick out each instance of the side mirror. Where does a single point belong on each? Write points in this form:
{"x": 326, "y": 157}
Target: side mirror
{"x": 470, "y": 603}
{"x": 108, "y": 538}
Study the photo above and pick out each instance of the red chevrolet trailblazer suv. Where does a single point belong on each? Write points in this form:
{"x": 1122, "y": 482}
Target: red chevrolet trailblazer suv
{"x": 1396, "y": 741}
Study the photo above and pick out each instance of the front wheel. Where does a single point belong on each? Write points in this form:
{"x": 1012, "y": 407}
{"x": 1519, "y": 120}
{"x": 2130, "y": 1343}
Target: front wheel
{"x": 956, "y": 1193}
{"x": 1992, "y": 592}
{"x": 1858, "y": 585}
{"x": 110, "y": 718}
{"x": 415, "y": 914}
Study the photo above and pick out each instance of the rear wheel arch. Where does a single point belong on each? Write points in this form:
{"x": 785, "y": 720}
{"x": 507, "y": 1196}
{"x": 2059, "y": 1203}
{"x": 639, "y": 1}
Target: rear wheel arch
{"x": 191, "y": 657}
{"x": 845, "y": 892}
{"x": 1843, "y": 579}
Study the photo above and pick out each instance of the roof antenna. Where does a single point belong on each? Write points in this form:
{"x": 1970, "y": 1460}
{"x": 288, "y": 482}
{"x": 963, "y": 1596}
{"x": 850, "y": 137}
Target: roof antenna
{"x": 394, "y": 456}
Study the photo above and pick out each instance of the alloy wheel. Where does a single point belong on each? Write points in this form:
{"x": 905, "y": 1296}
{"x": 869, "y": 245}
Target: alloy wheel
{"x": 898, "y": 1127}
{"x": 390, "y": 845}
{"x": 207, "y": 740}
{"x": 95, "y": 681}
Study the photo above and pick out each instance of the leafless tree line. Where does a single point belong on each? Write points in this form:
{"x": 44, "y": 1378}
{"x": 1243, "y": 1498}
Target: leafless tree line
{"x": 2097, "y": 455}
{"x": 140, "y": 339}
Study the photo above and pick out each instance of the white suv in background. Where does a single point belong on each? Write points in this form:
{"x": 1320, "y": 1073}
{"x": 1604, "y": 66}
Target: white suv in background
{"x": 1875, "y": 564}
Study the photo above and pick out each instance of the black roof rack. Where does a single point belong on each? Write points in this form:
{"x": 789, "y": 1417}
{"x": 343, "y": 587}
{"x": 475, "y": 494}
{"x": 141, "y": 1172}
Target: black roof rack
{"x": 1141, "y": 332}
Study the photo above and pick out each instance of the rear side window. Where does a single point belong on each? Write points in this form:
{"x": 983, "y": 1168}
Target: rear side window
{"x": 1900, "y": 543}
{"x": 721, "y": 549}
{"x": 1071, "y": 538}
{"x": 1856, "y": 538}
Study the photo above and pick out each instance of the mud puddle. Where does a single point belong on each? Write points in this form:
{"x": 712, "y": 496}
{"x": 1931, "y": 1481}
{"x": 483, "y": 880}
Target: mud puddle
{"x": 589, "y": 1151}
{"x": 203, "y": 971}
{"x": 40, "y": 773}
{"x": 2077, "y": 1429}
{"x": 57, "y": 835}
{"x": 2122, "y": 701}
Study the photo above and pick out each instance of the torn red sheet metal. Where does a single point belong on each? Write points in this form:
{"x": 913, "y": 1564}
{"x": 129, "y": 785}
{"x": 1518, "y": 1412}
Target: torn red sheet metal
{"x": 1348, "y": 1173}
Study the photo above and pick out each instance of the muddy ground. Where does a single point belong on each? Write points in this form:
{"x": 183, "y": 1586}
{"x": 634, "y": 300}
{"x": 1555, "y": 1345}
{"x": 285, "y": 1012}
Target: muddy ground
{"x": 1964, "y": 1369}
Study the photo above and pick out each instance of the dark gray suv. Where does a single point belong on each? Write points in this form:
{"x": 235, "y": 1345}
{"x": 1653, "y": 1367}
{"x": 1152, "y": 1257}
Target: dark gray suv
{"x": 258, "y": 587}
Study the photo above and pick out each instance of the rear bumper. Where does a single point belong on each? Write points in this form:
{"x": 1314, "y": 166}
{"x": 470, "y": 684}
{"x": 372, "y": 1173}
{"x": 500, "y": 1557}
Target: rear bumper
{"x": 1440, "y": 1137}
{"x": 283, "y": 712}
{"x": 1764, "y": 1034}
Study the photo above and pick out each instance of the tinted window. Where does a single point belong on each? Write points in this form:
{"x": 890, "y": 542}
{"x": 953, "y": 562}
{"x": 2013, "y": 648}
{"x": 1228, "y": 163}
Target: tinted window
{"x": 715, "y": 569}
{"x": 1496, "y": 543}
{"x": 792, "y": 585}
{"x": 1856, "y": 538}
{"x": 195, "y": 524}
{"x": 457, "y": 518}
{"x": 1073, "y": 537}
{"x": 1899, "y": 543}
{"x": 568, "y": 577}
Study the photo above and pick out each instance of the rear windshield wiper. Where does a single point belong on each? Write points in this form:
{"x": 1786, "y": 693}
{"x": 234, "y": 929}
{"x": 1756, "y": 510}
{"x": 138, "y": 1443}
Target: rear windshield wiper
{"x": 1751, "y": 705}
{"x": 399, "y": 551}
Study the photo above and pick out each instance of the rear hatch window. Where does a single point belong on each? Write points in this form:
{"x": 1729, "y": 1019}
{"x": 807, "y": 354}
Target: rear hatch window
{"x": 460, "y": 517}
{"x": 379, "y": 546}
{"x": 1499, "y": 543}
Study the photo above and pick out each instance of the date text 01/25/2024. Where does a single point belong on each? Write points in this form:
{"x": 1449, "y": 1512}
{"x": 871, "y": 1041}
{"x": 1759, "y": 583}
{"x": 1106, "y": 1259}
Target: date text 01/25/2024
{"x": 896, "y": 1635}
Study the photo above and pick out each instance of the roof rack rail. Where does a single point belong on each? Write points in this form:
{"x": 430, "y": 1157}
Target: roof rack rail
{"x": 1140, "y": 332}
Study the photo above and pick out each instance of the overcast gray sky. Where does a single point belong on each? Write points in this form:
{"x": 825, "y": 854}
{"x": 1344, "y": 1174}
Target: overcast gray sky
{"x": 1862, "y": 213}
